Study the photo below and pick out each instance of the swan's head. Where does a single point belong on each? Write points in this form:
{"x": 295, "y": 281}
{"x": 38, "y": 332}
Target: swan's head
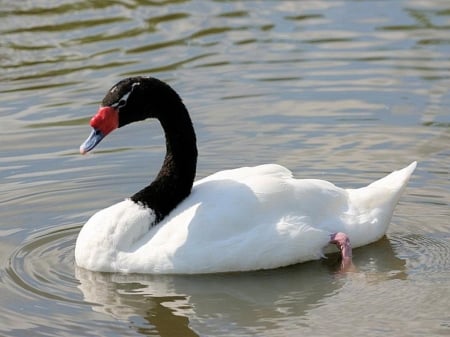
{"x": 130, "y": 100}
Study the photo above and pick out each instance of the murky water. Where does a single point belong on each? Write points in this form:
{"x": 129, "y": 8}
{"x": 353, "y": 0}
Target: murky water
{"x": 340, "y": 90}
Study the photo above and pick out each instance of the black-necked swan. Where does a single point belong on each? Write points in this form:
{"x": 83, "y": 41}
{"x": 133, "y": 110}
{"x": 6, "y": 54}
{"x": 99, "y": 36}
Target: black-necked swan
{"x": 242, "y": 219}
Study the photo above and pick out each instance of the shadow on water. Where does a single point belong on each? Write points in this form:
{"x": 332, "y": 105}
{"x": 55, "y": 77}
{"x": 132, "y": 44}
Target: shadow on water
{"x": 175, "y": 305}
{"x": 253, "y": 301}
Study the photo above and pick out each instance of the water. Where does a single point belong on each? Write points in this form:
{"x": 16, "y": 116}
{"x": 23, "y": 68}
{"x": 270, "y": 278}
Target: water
{"x": 341, "y": 90}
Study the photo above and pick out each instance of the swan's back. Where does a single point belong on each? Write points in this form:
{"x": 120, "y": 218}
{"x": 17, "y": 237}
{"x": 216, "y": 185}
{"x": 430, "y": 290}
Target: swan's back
{"x": 261, "y": 218}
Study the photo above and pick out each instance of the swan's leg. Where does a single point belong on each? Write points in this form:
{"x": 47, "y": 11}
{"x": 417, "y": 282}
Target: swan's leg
{"x": 342, "y": 241}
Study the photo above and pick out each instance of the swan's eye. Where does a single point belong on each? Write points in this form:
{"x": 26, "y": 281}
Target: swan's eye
{"x": 124, "y": 98}
{"x": 122, "y": 101}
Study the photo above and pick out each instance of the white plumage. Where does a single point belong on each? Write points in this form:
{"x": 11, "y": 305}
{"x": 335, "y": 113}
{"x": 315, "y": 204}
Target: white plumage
{"x": 236, "y": 220}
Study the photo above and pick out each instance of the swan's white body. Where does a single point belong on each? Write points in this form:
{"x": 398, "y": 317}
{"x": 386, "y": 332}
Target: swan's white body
{"x": 235, "y": 220}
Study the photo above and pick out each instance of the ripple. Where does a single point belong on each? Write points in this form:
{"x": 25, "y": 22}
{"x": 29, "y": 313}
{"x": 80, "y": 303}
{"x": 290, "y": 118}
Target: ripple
{"x": 44, "y": 266}
{"x": 426, "y": 254}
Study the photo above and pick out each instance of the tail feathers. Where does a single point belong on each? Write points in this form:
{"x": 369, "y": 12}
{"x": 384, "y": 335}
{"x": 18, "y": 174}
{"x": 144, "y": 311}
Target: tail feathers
{"x": 397, "y": 180}
{"x": 375, "y": 203}
{"x": 386, "y": 191}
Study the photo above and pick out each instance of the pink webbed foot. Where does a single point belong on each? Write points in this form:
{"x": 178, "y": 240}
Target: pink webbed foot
{"x": 342, "y": 241}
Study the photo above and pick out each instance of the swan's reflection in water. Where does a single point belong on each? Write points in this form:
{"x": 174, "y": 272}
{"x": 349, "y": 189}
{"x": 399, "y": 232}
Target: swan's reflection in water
{"x": 235, "y": 303}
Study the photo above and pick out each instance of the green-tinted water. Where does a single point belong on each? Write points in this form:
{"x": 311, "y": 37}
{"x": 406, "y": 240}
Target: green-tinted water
{"x": 339, "y": 90}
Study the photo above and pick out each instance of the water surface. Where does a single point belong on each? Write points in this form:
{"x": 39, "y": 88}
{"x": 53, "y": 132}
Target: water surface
{"x": 340, "y": 90}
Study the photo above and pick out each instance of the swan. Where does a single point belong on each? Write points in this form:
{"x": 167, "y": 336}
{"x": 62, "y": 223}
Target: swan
{"x": 240, "y": 219}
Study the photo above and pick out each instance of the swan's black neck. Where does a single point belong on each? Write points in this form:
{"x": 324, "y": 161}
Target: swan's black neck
{"x": 176, "y": 176}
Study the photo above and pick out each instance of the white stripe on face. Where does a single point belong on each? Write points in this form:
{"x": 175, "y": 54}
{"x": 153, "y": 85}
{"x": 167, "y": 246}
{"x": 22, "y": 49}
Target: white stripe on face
{"x": 123, "y": 100}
